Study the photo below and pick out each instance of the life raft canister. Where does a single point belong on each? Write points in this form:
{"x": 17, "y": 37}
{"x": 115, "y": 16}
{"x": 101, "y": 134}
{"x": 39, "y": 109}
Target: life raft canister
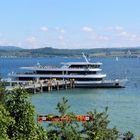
{"x": 81, "y": 118}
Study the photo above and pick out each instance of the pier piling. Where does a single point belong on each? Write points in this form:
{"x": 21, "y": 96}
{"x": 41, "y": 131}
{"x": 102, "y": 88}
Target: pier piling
{"x": 66, "y": 84}
{"x": 34, "y": 88}
{"x": 57, "y": 85}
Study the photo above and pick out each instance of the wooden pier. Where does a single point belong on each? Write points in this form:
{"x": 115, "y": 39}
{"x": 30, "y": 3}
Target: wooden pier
{"x": 43, "y": 85}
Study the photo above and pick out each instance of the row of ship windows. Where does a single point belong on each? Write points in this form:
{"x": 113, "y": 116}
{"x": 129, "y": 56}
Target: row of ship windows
{"x": 84, "y": 66}
{"x": 68, "y": 72}
{"x": 78, "y": 79}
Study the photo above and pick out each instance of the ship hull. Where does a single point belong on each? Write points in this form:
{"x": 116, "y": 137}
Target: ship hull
{"x": 106, "y": 84}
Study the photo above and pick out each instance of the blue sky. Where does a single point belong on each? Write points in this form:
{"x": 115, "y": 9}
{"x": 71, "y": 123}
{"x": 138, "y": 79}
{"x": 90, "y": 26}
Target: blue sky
{"x": 70, "y": 23}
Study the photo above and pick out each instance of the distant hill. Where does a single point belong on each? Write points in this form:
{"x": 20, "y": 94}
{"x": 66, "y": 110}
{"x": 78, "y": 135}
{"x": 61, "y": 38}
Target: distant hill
{"x": 10, "y": 48}
{"x": 52, "y": 52}
{"x": 96, "y": 52}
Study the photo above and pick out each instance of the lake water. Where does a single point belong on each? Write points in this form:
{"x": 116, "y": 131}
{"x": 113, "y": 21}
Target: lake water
{"x": 123, "y": 103}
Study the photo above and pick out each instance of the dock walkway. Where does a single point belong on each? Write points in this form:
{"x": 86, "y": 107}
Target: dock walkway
{"x": 42, "y": 85}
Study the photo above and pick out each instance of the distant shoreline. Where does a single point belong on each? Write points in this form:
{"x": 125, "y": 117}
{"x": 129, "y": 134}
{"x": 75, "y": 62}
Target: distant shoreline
{"x": 70, "y": 55}
{"x": 52, "y": 52}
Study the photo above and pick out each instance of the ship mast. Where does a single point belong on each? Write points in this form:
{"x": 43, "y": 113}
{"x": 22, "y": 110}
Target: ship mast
{"x": 85, "y": 58}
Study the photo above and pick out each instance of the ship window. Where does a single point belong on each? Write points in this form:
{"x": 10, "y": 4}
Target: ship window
{"x": 82, "y": 72}
{"x": 25, "y": 78}
{"x": 79, "y": 66}
{"x": 85, "y": 66}
{"x": 94, "y": 66}
{"x": 117, "y": 84}
{"x": 88, "y": 79}
{"x": 49, "y": 72}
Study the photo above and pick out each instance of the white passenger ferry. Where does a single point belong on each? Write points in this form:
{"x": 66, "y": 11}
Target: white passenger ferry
{"x": 84, "y": 74}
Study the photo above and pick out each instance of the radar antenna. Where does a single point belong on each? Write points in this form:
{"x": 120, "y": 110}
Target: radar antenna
{"x": 38, "y": 64}
{"x": 85, "y": 58}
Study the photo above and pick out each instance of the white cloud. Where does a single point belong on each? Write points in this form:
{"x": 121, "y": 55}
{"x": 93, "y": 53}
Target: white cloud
{"x": 31, "y": 39}
{"x": 110, "y": 28}
{"x": 129, "y": 36}
{"x": 97, "y": 37}
{"x": 32, "y": 42}
{"x": 60, "y": 37}
{"x": 124, "y": 34}
{"x": 87, "y": 29}
{"x": 118, "y": 28}
{"x": 61, "y": 30}
{"x": 111, "y": 36}
{"x": 7, "y": 42}
{"x": 114, "y": 28}
{"x": 134, "y": 38}
{"x": 44, "y": 29}
{"x": 101, "y": 37}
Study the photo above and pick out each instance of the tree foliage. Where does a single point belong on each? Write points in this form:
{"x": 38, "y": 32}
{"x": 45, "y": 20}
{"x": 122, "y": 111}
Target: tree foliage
{"x": 128, "y": 135}
{"x": 5, "y": 121}
{"x": 64, "y": 130}
{"x": 17, "y": 121}
{"x": 2, "y": 92}
{"x": 98, "y": 129}
{"x": 20, "y": 108}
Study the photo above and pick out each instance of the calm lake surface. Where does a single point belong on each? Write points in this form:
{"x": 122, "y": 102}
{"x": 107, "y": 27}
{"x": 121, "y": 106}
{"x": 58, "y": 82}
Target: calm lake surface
{"x": 123, "y": 103}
